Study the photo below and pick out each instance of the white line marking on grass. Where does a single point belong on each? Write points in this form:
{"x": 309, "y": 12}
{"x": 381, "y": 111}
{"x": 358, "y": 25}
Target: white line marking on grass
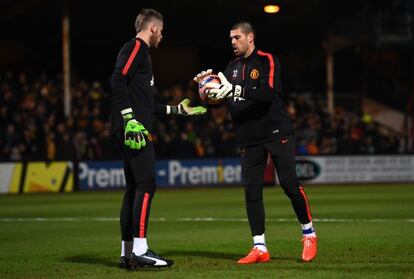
{"x": 203, "y": 219}
{"x": 284, "y": 220}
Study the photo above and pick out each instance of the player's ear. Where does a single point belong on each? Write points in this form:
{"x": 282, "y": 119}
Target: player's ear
{"x": 153, "y": 28}
{"x": 250, "y": 37}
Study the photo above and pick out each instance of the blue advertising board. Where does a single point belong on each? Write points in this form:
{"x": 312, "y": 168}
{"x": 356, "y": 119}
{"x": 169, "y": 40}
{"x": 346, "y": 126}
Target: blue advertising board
{"x": 107, "y": 175}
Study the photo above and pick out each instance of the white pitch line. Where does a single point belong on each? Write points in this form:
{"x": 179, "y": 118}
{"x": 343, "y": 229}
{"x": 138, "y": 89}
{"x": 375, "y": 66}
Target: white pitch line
{"x": 203, "y": 219}
{"x": 284, "y": 220}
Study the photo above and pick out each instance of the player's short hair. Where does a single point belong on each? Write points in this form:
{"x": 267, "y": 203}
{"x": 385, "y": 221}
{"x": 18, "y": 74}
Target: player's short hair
{"x": 145, "y": 17}
{"x": 245, "y": 27}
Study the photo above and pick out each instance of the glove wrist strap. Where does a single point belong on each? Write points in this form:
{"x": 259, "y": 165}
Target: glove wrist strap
{"x": 173, "y": 110}
{"x": 127, "y": 114}
{"x": 181, "y": 110}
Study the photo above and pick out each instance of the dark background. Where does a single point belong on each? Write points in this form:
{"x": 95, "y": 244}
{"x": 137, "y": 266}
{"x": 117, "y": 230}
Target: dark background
{"x": 371, "y": 42}
{"x": 196, "y": 36}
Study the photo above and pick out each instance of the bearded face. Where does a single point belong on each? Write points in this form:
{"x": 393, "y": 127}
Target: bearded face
{"x": 241, "y": 42}
{"x": 156, "y": 36}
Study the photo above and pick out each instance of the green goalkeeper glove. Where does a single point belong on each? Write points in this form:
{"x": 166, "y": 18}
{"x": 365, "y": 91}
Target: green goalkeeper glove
{"x": 183, "y": 108}
{"x": 134, "y": 131}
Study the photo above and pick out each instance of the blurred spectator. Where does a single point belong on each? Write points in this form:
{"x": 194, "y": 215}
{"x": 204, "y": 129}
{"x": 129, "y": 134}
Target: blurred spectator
{"x": 312, "y": 148}
{"x": 33, "y": 127}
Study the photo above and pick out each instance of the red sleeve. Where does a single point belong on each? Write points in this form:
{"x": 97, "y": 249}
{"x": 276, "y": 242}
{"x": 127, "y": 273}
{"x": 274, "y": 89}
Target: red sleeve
{"x": 127, "y": 62}
{"x": 270, "y": 84}
{"x": 131, "y": 63}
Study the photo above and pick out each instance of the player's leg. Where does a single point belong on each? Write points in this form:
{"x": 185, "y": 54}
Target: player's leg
{"x": 126, "y": 214}
{"x": 142, "y": 207}
{"x": 142, "y": 165}
{"x": 253, "y": 162}
{"x": 126, "y": 217}
{"x": 283, "y": 156}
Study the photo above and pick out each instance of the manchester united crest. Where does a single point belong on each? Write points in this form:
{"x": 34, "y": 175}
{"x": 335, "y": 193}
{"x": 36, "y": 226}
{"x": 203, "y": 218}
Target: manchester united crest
{"x": 254, "y": 74}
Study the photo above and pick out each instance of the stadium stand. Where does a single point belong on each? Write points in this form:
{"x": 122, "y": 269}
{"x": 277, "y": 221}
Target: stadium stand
{"x": 34, "y": 128}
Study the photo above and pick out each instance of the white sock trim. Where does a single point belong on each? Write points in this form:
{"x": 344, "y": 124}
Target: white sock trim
{"x": 259, "y": 239}
{"x": 308, "y": 230}
{"x": 259, "y": 242}
{"x": 307, "y": 226}
{"x": 140, "y": 246}
{"x": 168, "y": 109}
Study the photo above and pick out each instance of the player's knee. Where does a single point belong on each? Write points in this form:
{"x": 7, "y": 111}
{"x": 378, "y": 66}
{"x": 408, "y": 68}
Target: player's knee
{"x": 148, "y": 186}
{"x": 291, "y": 188}
{"x": 253, "y": 193}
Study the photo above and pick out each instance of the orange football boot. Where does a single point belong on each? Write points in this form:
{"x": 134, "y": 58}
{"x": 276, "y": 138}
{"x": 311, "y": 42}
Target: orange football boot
{"x": 255, "y": 256}
{"x": 310, "y": 248}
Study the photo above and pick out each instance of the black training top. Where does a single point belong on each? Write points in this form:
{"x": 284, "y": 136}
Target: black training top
{"x": 133, "y": 85}
{"x": 259, "y": 115}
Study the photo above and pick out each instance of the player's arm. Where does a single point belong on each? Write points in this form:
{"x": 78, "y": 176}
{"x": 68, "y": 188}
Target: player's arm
{"x": 183, "y": 108}
{"x": 126, "y": 63}
{"x": 269, "y": 85}
{"x": 129, "y": 58}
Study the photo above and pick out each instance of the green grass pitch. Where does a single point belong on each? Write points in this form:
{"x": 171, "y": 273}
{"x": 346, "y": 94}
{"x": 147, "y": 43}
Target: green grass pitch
{"x": 365, "y": 231}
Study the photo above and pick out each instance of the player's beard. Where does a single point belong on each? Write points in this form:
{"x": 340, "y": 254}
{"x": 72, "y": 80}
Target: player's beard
{"x": 154, "y": 41}
{"x": 236, "y": 51}
{"x": 240, "y": 49}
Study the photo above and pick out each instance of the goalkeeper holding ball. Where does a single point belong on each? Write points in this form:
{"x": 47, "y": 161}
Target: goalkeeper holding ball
{"x": 133, "y": 107}
{"x": 251, "y": 85}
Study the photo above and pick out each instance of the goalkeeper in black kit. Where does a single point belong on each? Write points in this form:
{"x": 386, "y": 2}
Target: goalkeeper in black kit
{"x": 251, "y": 84}
{"x": 133, "y": 109}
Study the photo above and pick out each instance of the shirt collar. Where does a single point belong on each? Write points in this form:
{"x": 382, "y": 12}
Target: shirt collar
{"x": 243, "y": 59}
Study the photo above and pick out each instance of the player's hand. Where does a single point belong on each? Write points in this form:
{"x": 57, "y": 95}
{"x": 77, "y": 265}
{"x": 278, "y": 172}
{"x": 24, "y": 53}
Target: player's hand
{"x": 224, "y": 90}
{"x": 200, "y": 76}
{"x": 185, "y": 109}
{"x": 135, "y": 132}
